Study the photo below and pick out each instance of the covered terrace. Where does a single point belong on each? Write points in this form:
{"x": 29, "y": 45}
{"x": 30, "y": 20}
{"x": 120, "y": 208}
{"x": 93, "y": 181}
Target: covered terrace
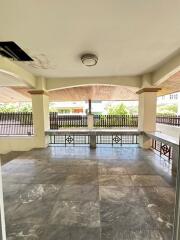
{"x": 95, "y": 50}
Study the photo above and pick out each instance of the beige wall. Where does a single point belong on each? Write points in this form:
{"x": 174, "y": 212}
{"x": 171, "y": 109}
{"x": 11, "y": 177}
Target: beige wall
{"x": 168, "y": 129}
{"x": 8, "y": 144}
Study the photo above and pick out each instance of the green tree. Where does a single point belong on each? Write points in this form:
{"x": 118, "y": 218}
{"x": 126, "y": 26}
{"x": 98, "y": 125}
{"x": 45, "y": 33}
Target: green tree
{"x": 15, "y": 107}
{"x": 25, "y": 107}
{"x": 120, "y": 109}
{"x": 52, "y": 107}
{"x": 167, "y": 109}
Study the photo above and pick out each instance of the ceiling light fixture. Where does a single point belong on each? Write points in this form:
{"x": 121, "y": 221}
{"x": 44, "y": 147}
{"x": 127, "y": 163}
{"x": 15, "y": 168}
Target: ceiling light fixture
{"x": 89, "y": 60}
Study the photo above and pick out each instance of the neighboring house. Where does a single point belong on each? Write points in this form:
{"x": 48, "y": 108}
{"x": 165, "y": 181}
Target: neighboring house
{"x": 173, "y": 98}
{"x": 79, "y": 107}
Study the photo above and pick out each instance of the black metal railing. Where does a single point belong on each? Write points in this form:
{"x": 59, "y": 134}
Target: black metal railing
{"x": 163, "y": 149}
{"x": 67, "y": 121}
{"x": 130, "y": 121}
{"x": 21, "y": 123}
{"x": 173, "y": 120}
{"x": 68, "y": 139}
{"x": 101, "y": 139}
{"x": 117, "y": 139}
{"x": 16, "y": 123}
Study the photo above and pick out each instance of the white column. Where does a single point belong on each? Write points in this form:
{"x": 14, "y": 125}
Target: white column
{"x": 90, "y": 116}
{"x": 90, "y": 121}
{"x": 178, "y": 104}
{"x": 147, "y": 113}
{"x": 40, "y": 109}
{"x": 3, "y": 224}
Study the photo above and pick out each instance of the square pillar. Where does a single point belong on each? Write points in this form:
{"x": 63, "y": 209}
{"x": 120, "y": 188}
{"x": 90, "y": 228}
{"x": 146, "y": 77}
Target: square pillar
{"x": 40, "y": 109}
{"x": 92, "y": 140}
{"x": 2, "y": 214}
{"x": 90, "y": 106}
{"x": 175, "y": 158}
{"x": 147, "y": 114}
{"x": 90, "y": 121}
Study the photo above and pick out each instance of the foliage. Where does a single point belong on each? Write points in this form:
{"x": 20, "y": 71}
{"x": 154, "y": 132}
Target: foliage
{"x": 120, "y": 109}
{"x": 167, "y": 109}
{"x": 52, "y": 108}
{"x": 20, "y": 107}
{"x": 133, "y": 110}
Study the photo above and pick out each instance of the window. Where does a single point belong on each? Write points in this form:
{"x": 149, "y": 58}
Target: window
{"x": 173, "y": 96}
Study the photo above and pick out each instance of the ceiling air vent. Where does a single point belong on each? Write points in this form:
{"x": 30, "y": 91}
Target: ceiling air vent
{"x": 12, "y": 50}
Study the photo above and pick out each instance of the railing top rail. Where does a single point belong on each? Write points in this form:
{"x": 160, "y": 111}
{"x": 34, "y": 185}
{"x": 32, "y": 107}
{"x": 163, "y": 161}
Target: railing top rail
{"x": 169, "y": 140}
{"x": 93, "y": 131}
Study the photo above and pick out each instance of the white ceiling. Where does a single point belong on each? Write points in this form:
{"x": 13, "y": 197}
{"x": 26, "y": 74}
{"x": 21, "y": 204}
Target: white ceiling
{"x": 129, "y": 37}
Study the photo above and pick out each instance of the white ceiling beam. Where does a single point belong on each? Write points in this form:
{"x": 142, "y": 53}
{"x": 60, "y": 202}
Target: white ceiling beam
{"x": 59, "y": 83}
{"x": 167, "y": 70}
{"x": 13, "y": 70}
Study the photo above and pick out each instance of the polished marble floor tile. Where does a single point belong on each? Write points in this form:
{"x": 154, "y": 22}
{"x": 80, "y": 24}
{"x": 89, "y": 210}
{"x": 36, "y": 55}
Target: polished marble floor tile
{"x": 79, "y": 193}
{"x": 76, "y": 193}
{"x": 117, "y": 234}
{"x": 33, "y": 192}
{"x": 125, "y": 215}
{"x": 149, "y": 180}
{"x": 81, "y": 180}
{"x": 54, "y": 232}
{"x": 121, "y": 194}
{"x": 28, "y": 212}
{"x": 68, "y": 213}
{"x": 25, "y": 231}
{"x": 115, "y": 180}
{"x": 105, "y": 170}
{"x": 51, "y": 232}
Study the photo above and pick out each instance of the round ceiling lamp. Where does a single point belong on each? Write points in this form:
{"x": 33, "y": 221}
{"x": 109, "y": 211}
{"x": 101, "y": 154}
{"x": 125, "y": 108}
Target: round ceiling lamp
{"x": 89, "y": 60}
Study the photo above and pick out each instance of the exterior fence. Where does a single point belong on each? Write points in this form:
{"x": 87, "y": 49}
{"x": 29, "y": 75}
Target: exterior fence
{"x": 63, "y": 121}
{"x": 130, "y": 121}
{"x": 173, "y": 120}
{"x": 22, "y": 123}
{"x": 16, "y": 124}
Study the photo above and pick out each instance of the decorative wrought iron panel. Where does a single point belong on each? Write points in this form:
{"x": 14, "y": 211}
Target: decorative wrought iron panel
{"x": 163, "y": 149}
{"x": 69, "y": 139}
{"x": 117, "y": 139}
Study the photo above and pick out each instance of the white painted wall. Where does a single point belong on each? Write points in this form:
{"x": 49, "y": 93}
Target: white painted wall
{"x": 13, "y": 143}
{"x": 168, "y": 129}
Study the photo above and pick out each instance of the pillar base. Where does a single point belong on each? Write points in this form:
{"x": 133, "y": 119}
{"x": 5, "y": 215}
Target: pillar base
{"x": 93, "y": 141}
{"x": 145, "y": 142}
{"x": 42, "y": 141}
{"x": 175, "y": 157}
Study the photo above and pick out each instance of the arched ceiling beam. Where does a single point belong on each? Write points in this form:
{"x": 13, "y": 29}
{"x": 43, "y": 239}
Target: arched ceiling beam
{"x": 59, "y": 83}
{"x": 13, "y": 70}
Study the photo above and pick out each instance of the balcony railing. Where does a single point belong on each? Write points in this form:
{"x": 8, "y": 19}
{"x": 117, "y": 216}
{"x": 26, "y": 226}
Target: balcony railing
{"x": 22, "y": 123}
{"x": 129, "y": 121}
{"x": 173, "y": 120}
{"x": 16, "y": 123}
{"x": 65, "y": 121}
